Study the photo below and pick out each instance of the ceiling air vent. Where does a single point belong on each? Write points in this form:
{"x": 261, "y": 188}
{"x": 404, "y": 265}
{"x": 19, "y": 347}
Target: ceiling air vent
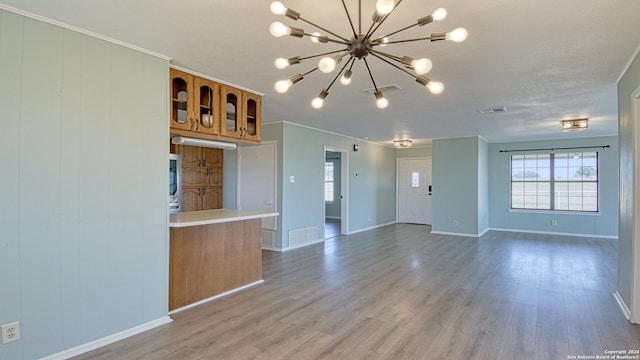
{"x": 494, "y": 110}
{"x": 384, "y": 89}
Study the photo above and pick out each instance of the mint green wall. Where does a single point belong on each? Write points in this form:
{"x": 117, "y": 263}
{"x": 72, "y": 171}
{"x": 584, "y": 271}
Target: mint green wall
{"x": 456, "y": 185}
{"x": 274, "y": 132}
{"x": 83, "y": 251}
{"x": 629, "y": 132}
{"x": 371, "y": 192}
{"x": 230, "y": 179}
{"x": 414, "y": 152}
{"x": 603, "y": 224}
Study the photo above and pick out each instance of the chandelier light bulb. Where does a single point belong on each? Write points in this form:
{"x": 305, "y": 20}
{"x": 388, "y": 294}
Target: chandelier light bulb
{"x": 346, "y": 78}
{"x": 314, "y": 37}
{"x": 383, "y": 7}
{"x": 279, "y": 29}
{"x": 384, "y": 41}
{"x": 458, "y": 35}
{"x": 281, "y": 63}
{"x": 435, "y": 87}
{"x": 277, "y": 8}
{"x": 422, "y": 66}
{"x": 282, "y": 86}
{"x": 382, "y": 103}
{"x": 317, "y": 103}
{"x": 438, "y": 15}
{"x": 327, "y": 65}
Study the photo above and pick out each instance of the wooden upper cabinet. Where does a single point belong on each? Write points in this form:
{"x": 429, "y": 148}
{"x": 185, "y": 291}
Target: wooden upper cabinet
{"x": 231, "y": 112}
{"x": 207, "y": 107}
{"x": 252, "y": 116}
{"x": 182, "y": 113}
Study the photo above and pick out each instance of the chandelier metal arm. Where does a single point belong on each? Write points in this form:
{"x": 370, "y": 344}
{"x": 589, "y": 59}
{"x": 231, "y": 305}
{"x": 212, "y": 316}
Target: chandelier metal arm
{"x": 398, "y": 31}
{"x": 371, "y": 32}
{"x": 325, "y": 30}
{"x": 327, "y": 53}
{"x": 339, "y": 73}
{"x": 376, "y": 54}
{"x": 394, "y": 57}
{"x": 349, "y": 17}
{"x": 328, "y": 39}
{"x": 409, "y": 40}
{"x": 370, "y": 74}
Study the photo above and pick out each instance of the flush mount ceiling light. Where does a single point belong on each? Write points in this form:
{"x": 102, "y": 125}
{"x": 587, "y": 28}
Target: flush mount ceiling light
{"x": 402, "y": 144}
{"x": 575, "y": 125}
{"x": 358, "y": 46}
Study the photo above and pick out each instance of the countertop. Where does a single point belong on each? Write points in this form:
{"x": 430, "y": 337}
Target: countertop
{"x": 206, "y": 217}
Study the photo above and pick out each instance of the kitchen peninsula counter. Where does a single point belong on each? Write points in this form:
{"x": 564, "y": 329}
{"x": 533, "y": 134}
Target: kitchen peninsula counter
{"x": 206, "y": 217}
{"x": 213, "y": 253}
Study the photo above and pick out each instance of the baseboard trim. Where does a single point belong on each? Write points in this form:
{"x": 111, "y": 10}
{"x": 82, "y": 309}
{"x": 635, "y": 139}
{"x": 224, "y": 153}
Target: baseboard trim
{"x": 455, "y": 234}
{"x": 90, "y": 346}
{"x": 484, "y": 232}
{"x": 215, "y": 297}
{"x": 301, "y": 245}
{"x": 269, "y": 248}
{"x": 623, "y": 307}
{"x": 611, "y": 237}
{"x": 371, "y": 228}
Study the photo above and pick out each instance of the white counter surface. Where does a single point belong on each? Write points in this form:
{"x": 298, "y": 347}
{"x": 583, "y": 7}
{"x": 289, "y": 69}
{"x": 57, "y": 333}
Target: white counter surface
{"x": 206, "y": 217}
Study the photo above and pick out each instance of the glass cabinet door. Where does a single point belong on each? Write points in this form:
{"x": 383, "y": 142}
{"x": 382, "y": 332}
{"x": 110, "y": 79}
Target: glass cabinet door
{"x": 231, "y": 118}
{"x": 181, "y": 100}
{"x": 207, "y": 108}
{"x": 252, "y": 116}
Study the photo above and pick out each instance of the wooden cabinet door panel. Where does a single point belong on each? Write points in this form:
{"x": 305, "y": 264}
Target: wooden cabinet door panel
{"x": 191, "y": 199}
{"x": 211, "y": 198}
{"x": 182, "y": 114}
{"x": 195, "y": 177}
{"x": 252, "y": 116}
{"x": 207, "y": 106}
{"x": 215, "y": 177}
{"x": 212, "y": 157}
{"x": 190, "y": 155}
{"x": 231, "y": 111}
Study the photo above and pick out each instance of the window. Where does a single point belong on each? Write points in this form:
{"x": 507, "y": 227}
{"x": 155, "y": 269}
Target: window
{"x": 328, "y": 182}
{"x": 566, "y": 181}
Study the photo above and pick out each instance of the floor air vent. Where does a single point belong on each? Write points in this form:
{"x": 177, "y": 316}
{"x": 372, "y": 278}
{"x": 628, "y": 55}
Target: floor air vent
{"x": 304, "y": 235}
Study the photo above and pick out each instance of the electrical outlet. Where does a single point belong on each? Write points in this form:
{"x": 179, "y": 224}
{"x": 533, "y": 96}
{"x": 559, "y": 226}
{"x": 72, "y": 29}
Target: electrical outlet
{"x": 456, "y": 223}
{"x": 10, "y": 332}
{"x": 554, "y": 222}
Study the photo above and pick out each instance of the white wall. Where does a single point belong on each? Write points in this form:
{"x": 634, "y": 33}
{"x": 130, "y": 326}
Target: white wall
{"x": 84, "y": 144}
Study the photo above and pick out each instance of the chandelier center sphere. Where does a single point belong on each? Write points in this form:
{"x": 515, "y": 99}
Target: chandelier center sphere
{"x": 360, "y": 46}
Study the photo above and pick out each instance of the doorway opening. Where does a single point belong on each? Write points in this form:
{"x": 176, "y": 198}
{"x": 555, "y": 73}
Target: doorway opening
{"x": 335, "y": 190}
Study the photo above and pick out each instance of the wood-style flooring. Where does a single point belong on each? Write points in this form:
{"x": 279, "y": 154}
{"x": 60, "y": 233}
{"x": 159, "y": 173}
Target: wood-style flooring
{"x": 399, "y": 292}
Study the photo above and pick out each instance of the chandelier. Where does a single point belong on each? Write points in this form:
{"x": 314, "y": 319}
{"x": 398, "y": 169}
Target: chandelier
{"x": 358, "y": 46}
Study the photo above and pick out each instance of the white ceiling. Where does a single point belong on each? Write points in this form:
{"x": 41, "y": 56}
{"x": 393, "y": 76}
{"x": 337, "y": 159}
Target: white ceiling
{"x": 545, "y": 60}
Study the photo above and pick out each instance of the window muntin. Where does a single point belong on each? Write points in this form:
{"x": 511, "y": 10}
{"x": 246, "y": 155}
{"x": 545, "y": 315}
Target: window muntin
{"x": 563, "y": 181}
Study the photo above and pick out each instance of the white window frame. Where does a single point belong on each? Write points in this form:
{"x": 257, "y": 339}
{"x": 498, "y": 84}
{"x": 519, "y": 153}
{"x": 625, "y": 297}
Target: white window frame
{"x": 552, "y": 181}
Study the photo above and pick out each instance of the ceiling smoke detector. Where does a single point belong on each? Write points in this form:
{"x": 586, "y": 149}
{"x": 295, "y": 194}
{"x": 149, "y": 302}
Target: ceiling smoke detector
{"x": 494, "y": 110}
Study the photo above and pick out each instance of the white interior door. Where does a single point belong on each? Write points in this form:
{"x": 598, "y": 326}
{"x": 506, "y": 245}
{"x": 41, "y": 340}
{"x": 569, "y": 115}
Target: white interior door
{"x": 414, "y": 191}
{"x": 257, "y": 180}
